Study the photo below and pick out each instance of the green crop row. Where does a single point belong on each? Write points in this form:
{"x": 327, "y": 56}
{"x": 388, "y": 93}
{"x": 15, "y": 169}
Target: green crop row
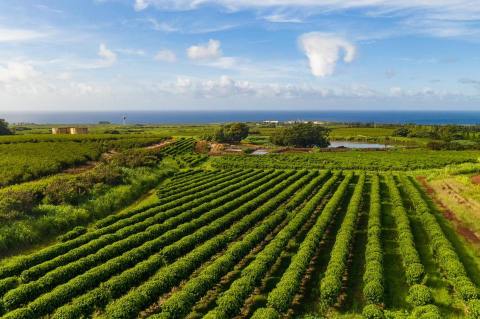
{"x": 180, "y": 302}
{"x": 414, "y": 270}
{"x": 148, "y": 241}
{"x": 150, "y": 216}
{"x": 132, "y": 303}
{"x": 444, "y": 253}
{"x": 61, "y": 294}
{"x": 233, "y": 299}
{"x": 331, "y": 283}
{"x": 373, "y": 282}
{"x": 282, "y": 295}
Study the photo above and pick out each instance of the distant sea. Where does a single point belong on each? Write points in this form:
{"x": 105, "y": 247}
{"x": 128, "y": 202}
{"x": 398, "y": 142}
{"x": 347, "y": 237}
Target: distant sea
{"x": 199, "y": 117}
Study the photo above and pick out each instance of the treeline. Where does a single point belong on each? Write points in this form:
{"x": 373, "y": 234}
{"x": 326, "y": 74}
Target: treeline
{"x": 452, "y": 137}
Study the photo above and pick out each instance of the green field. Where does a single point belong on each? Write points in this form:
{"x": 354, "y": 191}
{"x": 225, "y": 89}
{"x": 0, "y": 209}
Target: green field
{"x": 168, "y": 231}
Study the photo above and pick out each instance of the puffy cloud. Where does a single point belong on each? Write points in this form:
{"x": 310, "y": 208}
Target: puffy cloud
{"x": 108, "y": 57}
{"x": 166, "y": 56}
{"x": 324, "y": 50}
{"x": 16, "y": 71}
{"x": 207, "y": 51}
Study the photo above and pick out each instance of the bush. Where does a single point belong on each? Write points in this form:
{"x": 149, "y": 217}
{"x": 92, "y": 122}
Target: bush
{"x": 426, "y": 312}
{"x": 136, "y": 158}
{"x": 415, "y": 273}
{"x": 373, "y": 292}
{"x": 65, "y": 191}
{"x": 266, "y": 313}
{"x": 373, "y": 312}
{"x": 16, "y": 203}
{"x": 466, "y": 289}
{"x": 419, "y": 295}
{"x": 474, "y": 309}
{"x": 103, "y": 173}
{"x": 402, "y": 131}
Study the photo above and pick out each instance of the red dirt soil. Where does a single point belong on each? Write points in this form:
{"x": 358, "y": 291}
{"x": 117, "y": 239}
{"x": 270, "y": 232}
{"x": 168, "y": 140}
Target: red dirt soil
{"x": 475, "y": 179}
{"x": 465, "y": 232}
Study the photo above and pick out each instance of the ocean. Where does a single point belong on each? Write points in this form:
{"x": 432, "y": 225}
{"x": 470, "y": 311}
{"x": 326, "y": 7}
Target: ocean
{"x": 201, "y": 117}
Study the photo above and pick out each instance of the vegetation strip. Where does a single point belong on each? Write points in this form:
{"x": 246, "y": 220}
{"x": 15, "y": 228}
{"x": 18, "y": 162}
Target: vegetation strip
{"x": 233, "y": 299}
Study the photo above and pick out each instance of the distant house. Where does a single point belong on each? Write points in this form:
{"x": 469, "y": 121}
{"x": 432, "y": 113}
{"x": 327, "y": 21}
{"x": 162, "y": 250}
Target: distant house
{"x": 60, "y": 130}
{"x": 69, "y": 130}
{"x": 78, "y": 130}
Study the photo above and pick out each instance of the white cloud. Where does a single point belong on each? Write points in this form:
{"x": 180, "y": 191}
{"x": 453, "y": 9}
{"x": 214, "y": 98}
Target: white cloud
{"x": 324, "y": 50}
{"x": 140, "y": 5}
{"x": 207, "y": 51}
{"x": 108, "y": 57}
{"x": 17, "y": 71}
{"x": 19, "y": 35}
{"x": 166, "y": 56}
{"x": 437, "y": 18}
{"x": 281, "y": 18}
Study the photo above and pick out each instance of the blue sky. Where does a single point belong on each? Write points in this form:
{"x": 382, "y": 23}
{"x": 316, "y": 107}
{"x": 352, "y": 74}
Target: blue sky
{"x": 239, "y": 55}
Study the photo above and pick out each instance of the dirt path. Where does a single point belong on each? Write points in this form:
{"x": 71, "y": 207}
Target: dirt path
{"x": 447, "y": 189}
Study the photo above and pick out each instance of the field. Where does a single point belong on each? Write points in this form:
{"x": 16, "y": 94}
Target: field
{"x": 255, "y": 243}
{"x": 27, "y": 157}
{"x": 409, "y": 159}
{"x": 156, "y": 227}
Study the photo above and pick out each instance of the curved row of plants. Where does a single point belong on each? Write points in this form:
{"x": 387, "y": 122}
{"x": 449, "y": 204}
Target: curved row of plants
{"x": 232, "y": 300}
{"x": 419, "y": 295}
{"x": 180, "y": 303}
{"x": 148, "y": 292}
{"x": 280, "y": 298}
{"x": 146, "y": 242}
{"x": 445, "y": 255}
{"x": 134, "y": 223}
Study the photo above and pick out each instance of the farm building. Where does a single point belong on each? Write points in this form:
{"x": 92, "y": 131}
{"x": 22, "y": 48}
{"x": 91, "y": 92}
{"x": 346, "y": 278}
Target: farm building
{"x": 78, "y": 130}
{"x": 69, "y": 130}
{"x": 60, "y": 130}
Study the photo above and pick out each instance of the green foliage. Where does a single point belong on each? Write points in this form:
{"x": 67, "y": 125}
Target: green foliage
{"x": 302, "y": 135}
{"x": 16, "y": 204}
{"x": 401, "y": 131}
{"x": 373, "y": 312}
{"x": 414, "y": 270}
{"x": 401, "y": 160}
{"x": 419, "y": 295}
{"x": 331, "y": 284}
{"x": 266, "y": 313}
{"x": 373, "y": 289}
{"x": 4, "y": 130}
{"x": 426, "y": 312}
{"x": 443, "y": 250}
{"x": 230, "y": 133}
{"x": 474, "y": 309}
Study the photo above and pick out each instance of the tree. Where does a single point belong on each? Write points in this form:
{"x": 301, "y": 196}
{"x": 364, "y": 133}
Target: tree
{"x": 302, "y": 135}
{"x": 4, "y": 130}
{"x": 401, "y": 131}
{"x": 231, "y": 133}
